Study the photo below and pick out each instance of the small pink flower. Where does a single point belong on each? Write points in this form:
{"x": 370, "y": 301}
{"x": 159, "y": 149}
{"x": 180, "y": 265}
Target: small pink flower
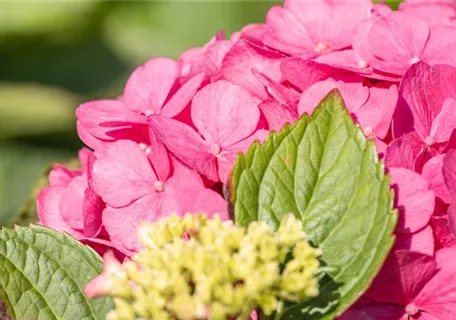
{"x": 372, "y": 107}
{"x": 426, "y": 109}
{"x": 70, "y": 204}
{"x": 207, "y": 59}
{"x": 227, "y": 118}
{"x": 153, "y": 88}
{"x": 411, "y": 285}
{"x": 243, "y": 58}
{"x": 405, "y": 40}
{"x": 128, "y": 183}
{"x": 312, "y": 28}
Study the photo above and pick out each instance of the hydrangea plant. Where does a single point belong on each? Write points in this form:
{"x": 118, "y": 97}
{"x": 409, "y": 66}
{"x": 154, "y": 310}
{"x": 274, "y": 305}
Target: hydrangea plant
{"x": 338, "y": 112}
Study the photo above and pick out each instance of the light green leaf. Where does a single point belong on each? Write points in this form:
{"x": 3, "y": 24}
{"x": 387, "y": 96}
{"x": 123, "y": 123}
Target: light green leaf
{"x": 43, "y": 274}
{"x": 322, "y": 170}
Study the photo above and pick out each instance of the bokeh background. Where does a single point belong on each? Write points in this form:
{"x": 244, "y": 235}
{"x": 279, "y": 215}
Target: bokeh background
{"x": 55, "y": 55}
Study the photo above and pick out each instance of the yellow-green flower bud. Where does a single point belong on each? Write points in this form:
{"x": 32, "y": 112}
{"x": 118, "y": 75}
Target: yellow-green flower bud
{"x": 195, "y": 268}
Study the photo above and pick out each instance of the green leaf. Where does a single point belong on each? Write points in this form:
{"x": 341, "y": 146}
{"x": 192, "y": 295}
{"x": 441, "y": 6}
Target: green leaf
{"x": 322, "y": 170}
{"x": 43, "y": 274}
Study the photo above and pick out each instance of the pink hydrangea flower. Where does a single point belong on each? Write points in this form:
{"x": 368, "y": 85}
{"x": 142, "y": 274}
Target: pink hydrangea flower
{"x": 405, "y": 40}
{"x": 127, "y": 182}
{"x": 427, "y": 117}
{"x": 243, "y": 58}
{"x": 207, "y": 59}
{"x": 411, "y": 285}
{"x": 70, "y": 205}
{"x": 312, "y": 28}
{"x": 227, "y": 118}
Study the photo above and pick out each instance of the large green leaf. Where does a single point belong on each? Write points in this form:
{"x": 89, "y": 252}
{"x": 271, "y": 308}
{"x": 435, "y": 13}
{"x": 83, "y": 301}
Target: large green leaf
{"x": 43, "y": 274}
{"x": 324, "y": 171}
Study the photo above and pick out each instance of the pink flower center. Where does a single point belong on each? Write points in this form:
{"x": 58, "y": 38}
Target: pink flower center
{"x": 149, "y": 112}
{"x": 412, "y": 310}
{"x": 369, "y": 133}
{"x": 323, "y": 47}
{"x": 159, "y": 186}
{"x": 215, "y": 149}
{"x": 363, "y": 64}
{"x": 429, "y": 141}
{"x": 144, "y": 147}
{"x": 414, "y": 60}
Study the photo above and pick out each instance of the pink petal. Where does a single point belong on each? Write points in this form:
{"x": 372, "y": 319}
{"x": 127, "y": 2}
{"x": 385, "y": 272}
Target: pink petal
{"x": 72, "y": 201}
{"x": 84, "y": 156}
{"x": 354, "y": 95}
{"x": 122, "y": 173}
{"x": 442, "y": 233}
{"x": 103, "y": 119}
{"x": 251, "y": 32}
{"x": 440, "y": 46}
{"x": 242, "y": 58}
{"x": 122, "y": 223}
{"x": 434, "y": 13}
{"x": 158, "y": 156}
{"x": 149, "y": 85}
{"x": 48, "y": 201}
{"x": 421, "y": 241}
{"x": 438, "y": 296}
{"x": 183, "y": 96}
{"x": 412, "y": 112}
{"x": 228, "y": 156}
{"x": 285, "y": 33}
{"x": 401, "y": 152}
{"x": 347, "y": 60}
{"x": 414, "y": 200}
{"x": 433, "y": 173}
{"x": 62, "y": 176}
{"x": 374, "y": 311}
{"x": 100, "y": 285}
{"x": 440, "y": 85}
{"x": 402, "y": 277}
{"x": 183, "y": 142}
{"x": 310, "y": 98}
{"x": 378, "y": 111}
{"x": 87, "y": 138}
{"x": 445, "y": 122}
{"x": 449, "y": 171}
{"x": 93, "y": 207}
{"x": 277, "y": 114}
{"x": 452, "y": 217}
{"x": 233, "y": 113}
{"x": 330, "y": 22}
{"x": 187, "y": 190}
{"x": 304, "y": 73}
{"x": 403, "y": 39}
{"x": 282, "y": 94}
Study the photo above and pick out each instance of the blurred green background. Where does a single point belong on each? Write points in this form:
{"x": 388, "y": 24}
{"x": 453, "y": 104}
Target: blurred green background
{"x": 55, "y": 55}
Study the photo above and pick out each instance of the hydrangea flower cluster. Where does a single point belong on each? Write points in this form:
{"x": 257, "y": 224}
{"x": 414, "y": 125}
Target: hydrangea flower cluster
{"x": 199, "y": 268}
{"x": 168, "y": 143}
